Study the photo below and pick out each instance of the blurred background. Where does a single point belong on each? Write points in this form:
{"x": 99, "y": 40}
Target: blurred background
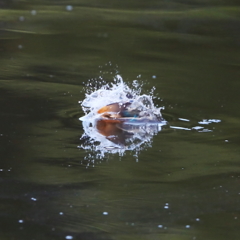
{"x": 186, "y": 185}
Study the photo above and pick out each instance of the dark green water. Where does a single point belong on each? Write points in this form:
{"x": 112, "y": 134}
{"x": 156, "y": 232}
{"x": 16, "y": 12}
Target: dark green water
{"x": 186, "y": 186}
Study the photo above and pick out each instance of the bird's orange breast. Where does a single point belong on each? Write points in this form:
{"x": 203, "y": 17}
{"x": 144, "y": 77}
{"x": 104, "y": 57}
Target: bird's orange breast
{"x": 114, "y": 107}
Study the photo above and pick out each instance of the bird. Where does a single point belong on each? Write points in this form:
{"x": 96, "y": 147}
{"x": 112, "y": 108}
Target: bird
{"x": 121, "y": 120}
{"x": 112, "y": 118}
{"x": 118, "y": 110}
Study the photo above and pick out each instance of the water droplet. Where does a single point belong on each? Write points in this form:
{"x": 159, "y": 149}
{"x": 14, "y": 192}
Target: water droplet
{"x": 69, "y": 8}
{"x": 33, "y": 12}
{"x": 184, "y": 119}
{"x": 69, "y": 237}
{"x": 21, "y": 18}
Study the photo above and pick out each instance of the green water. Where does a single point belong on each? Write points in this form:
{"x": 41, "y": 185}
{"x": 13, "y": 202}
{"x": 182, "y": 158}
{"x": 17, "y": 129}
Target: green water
{"x": 186, "y": 186}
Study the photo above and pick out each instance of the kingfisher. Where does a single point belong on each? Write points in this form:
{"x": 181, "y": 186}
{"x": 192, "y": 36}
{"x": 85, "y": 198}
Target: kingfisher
{"x": 118, "y": 110}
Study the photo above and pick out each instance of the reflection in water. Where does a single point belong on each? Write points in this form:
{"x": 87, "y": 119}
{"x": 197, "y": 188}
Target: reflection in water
{"x": 103, "y": 136}
{"x": 119, "y": 118}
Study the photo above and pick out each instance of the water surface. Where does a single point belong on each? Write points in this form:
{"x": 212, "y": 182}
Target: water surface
{"x": 185, "y": 185}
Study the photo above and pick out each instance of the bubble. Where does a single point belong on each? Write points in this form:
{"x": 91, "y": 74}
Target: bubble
{"x": 33, "y": 199}
{"x": 21, "y": 18}
{"x": 33, "y": 12}
{"x": 69, "y": 237}
{"x": 105, "y": 213}
{"x": 69, "y": 8}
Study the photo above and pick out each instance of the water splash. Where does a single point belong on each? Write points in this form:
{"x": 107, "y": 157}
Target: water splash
{"x": 199, "y": 128}
{"x": 140, "y": 119}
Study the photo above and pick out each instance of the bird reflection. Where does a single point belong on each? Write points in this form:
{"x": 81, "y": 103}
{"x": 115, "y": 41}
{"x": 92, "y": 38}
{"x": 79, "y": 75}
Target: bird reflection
{"x": 113, "y": 131}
